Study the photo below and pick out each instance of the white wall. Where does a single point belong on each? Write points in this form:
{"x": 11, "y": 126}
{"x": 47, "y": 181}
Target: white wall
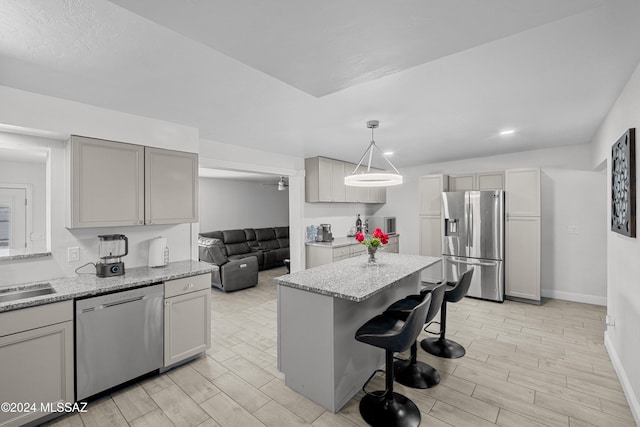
{"x": 229, "y": 204}
{"x": 623, "y": 268}
{"x": 572, "y": 194}
{"x": 25, "y": 109}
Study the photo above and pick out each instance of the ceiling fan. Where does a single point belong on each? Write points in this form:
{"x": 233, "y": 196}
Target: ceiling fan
{"x": 282, "y": 184}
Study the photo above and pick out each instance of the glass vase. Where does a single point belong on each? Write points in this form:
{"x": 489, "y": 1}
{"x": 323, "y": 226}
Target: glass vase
{"x": 372, "y": 254}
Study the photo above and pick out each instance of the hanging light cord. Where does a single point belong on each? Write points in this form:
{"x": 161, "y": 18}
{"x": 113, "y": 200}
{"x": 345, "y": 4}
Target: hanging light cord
{"x": 369, "y": 150}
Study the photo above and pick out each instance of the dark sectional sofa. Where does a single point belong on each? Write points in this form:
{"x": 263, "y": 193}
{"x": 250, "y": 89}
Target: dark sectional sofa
{"x": 240, "y": 254}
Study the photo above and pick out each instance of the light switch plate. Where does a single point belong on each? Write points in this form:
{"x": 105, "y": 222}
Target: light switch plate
{"x": 73, "y": 254}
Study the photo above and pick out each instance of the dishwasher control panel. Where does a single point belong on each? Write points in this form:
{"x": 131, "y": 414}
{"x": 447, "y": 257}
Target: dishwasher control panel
{"x": 102, "y": 301}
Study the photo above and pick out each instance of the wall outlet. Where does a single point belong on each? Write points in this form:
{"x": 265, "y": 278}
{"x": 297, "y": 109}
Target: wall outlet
{"x": 73, "y": 254}
{"x": 572, "y": 229}
{"x": 609, "y": 320}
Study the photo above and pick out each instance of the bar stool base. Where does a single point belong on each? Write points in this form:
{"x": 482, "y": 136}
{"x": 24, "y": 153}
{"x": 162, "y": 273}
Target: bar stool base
{"x": 398, "y": 412}
{"x": 419, "y": 375}
{"x": 442, "y": 348}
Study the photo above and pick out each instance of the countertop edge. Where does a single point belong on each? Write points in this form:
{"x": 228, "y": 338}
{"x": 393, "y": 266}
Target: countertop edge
{"x": 70, "y": 288}
{"x": 285, "y": 280}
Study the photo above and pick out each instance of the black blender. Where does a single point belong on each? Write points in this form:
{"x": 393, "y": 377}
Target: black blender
{"x": 110, "y": 249}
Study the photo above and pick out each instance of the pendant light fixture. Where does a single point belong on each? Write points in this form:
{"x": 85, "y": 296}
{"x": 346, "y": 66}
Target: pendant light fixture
{"x": 368, "y": 178}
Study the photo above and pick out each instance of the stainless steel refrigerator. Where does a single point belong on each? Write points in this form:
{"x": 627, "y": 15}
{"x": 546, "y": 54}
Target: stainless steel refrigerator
{"x": 474, "y": 237}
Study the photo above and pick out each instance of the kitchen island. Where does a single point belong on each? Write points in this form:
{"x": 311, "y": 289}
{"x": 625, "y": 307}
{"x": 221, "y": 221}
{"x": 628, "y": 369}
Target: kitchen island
{"x": 319, "y": 311}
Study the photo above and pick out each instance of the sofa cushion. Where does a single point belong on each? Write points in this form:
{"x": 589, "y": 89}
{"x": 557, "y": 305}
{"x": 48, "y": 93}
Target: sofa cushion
{"x": 276, "y": 257}
{"x": 263, "y": 234}
{"x": 269, "y": 244}
{"x": 213, "y": 234}
{"x": 211, "y": 250}
{"x": 249, "y": 234}
{"x": 284, "y": 243}
{"x": 237, "y": 248}
{"x": 243, "y": 256}
{"x": 281, "y": 232}
{"x": 233, "y": 236}
{"x": 212, "y": 254}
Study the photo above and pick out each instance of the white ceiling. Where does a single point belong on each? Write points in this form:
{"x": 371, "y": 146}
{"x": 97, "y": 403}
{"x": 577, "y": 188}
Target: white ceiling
{"x": 302, "y": 78}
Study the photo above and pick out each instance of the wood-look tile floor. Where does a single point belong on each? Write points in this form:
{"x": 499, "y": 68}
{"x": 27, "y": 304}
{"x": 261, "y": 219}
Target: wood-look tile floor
{"x": 525, "y": 366}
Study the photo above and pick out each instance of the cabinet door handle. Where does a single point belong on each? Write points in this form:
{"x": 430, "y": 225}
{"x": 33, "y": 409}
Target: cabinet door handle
{"x": 167, "y": 302}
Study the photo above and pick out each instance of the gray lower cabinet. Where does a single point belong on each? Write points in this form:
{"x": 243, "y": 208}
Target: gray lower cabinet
{"x": 187, "y": 318}
{"x": 36, "y": 361}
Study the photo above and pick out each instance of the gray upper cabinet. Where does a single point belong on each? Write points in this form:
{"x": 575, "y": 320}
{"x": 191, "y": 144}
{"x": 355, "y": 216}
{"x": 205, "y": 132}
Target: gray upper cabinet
{"x": 490, "y": 181}
{"x": 171, "y": 187}
{"x": 523, "y": 192}
{"x": 462, "y": 182}
{"x": 477, "y": 181}
{"x": 107, "y": 183}
{"x": 430, "y": 194}
{"x": 338, "y": 189}
{"x": 351, "y": 192}
{"x": 324, "y": 182}
{"x": 118, "y": 184}
{"x": 318, "y": 179}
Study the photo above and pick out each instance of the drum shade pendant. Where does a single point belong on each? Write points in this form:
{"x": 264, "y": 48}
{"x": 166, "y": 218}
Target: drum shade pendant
{"x": 367, "y": 178}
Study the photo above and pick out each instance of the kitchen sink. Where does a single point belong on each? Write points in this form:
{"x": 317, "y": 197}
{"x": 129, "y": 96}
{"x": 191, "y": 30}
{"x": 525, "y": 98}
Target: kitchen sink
{"x": 26, "y": 292}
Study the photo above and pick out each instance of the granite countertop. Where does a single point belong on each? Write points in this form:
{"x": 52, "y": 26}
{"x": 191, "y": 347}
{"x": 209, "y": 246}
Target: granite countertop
{"x": 339, "y": 242}
{"x": 353, "y": 279}
{"x": 84, "y": 285}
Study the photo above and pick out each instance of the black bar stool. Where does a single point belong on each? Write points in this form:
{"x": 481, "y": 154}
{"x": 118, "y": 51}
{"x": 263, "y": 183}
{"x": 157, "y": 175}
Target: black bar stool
{"x": 412, "y": 373}
{"x": 386, "y": 408}
{"x": 441, "y": 346}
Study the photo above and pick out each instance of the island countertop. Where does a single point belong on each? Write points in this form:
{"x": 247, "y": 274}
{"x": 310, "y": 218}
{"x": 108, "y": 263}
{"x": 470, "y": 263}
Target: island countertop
{"x": 84, "y": 285}
{"x": 352, "y": 279}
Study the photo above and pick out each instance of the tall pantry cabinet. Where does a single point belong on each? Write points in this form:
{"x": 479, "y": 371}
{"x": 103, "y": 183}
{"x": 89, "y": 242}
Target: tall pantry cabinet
{"x": 522, "y": 234}
{"x": 431, "y": 224}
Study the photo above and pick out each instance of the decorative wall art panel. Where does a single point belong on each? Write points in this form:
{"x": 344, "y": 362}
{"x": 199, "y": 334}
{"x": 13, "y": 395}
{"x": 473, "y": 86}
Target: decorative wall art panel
{"x": 623, "y": 184}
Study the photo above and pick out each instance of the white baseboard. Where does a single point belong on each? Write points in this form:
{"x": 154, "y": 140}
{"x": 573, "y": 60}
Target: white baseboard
{"x": 632, "y": 399}
{"x": 570, "y": 296}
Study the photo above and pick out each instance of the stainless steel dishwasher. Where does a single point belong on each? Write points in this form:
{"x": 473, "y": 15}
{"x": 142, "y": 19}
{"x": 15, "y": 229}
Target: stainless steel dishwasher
{"x": 119, "y": 337}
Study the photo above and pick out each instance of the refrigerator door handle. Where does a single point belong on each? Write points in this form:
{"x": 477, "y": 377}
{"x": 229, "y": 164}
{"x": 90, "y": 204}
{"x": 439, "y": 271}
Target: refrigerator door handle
{"x": 467, "y": 222}
{"x": 482, "y": 264}
{"x": 470, "y": 225}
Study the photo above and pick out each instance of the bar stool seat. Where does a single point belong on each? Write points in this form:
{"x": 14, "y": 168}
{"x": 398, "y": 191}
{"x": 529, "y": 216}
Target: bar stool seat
{"x": 411, "y": 372}
{"x": 441, "y": 346}
{"x": 385, "y": 408}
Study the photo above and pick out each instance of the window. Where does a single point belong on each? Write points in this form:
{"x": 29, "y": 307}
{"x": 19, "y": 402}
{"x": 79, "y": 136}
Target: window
{"x": 14, "y": 218}
{"x": 5, "y": 212}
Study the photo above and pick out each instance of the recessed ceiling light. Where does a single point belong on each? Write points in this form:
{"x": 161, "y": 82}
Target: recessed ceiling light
{"x": 388, "y": 153}
{"x": 507, "y": 132}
